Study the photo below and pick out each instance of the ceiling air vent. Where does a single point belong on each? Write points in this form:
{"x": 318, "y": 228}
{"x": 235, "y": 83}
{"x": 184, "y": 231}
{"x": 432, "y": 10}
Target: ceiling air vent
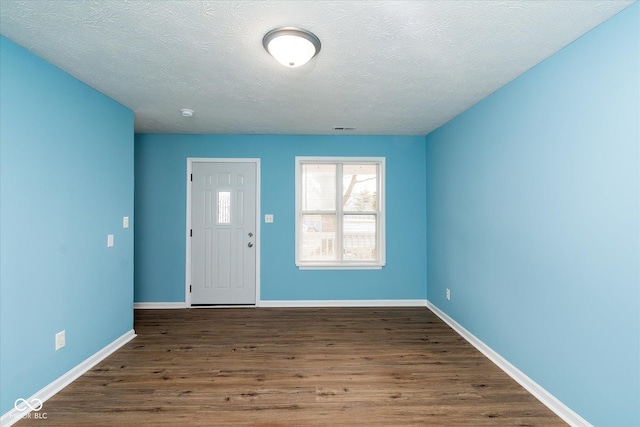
{"x": 343, "y": 128}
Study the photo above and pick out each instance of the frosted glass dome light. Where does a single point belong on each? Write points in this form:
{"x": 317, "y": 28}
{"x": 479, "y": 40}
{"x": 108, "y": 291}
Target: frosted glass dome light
{"x": 292, "y": 47}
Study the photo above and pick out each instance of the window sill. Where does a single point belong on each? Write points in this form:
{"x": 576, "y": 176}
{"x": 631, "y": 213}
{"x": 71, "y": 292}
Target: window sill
{"x": 306, "y": 266}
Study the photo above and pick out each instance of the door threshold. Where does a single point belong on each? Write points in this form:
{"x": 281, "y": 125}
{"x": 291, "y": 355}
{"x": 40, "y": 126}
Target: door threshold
{"x": 223, "y": 306}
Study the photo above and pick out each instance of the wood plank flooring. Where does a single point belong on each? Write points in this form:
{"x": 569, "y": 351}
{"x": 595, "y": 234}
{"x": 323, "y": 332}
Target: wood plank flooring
{"x": 294, "y": 367}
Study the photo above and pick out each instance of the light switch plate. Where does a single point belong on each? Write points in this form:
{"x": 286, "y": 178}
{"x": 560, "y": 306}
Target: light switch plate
{"x": 60, "y": 340}
{"x": 110, "y": 240}
{"x": 125, "y": 222}
{"x": 268, "y": 218}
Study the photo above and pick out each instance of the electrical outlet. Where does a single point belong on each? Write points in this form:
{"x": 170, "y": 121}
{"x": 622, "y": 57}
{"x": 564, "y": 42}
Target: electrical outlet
{"x": 60, "y": 340}
{"x": 448, "y": 294}
{"x": 268, "y": 218}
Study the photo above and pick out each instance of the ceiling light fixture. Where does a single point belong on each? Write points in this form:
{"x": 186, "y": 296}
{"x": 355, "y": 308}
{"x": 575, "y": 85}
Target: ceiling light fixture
{"x": 290, "y": 46}
{"x": 186, "y": 112}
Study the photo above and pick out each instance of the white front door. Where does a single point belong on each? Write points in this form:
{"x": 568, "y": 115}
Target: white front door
{"x": 223, "y": 234}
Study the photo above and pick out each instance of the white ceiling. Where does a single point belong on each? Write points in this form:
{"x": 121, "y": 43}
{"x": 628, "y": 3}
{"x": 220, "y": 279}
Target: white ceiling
{"x": 385, "y": 67}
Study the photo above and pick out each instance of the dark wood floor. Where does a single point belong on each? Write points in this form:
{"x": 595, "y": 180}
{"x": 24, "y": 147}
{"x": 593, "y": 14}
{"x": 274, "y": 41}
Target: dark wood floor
{"x": 268, "y": 367}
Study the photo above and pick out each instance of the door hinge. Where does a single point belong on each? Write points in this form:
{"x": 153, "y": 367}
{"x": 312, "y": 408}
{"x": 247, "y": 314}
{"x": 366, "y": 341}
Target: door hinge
{"x": 191, "y": 177}
{"x": 189, "y": 288}
{"x": 191, "y": 233}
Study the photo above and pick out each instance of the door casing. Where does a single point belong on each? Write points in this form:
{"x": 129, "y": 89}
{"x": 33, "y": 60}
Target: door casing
{"x": 190, "y": 161}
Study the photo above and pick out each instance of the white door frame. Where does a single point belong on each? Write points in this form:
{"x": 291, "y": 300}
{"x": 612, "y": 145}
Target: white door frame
{"x": 190, "y": 161}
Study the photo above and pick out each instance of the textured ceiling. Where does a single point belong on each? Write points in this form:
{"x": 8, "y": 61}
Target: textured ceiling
{"x": 386, "y": 67}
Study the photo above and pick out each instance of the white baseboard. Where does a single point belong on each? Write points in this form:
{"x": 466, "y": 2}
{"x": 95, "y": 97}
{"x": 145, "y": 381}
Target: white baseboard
{"x": 549, "y": 400}
{"x": 158, "y": 305}
{"x": 294, "y": 303}
{"x": 13, "y": 416}
{"x": 345, "y": 303}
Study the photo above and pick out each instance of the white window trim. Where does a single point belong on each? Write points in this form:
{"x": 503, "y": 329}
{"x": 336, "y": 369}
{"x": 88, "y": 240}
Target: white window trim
{"x": 342, "y": 265}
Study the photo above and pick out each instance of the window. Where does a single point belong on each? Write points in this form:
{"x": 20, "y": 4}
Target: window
{"x": 340, "y": 212}
{"x": 224, "y": 207}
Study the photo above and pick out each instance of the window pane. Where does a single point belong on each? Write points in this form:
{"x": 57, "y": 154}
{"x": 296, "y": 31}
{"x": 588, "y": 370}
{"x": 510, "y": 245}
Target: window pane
{"x": 224, "y": 207}
{"x": 318, "y": 237}
{"x": 359, "y": 238}
{"x": 359, "y": 188}
{"x": 318, "y": 187}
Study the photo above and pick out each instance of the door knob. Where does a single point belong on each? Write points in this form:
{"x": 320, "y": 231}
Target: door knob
{"x": 250, "y": 245}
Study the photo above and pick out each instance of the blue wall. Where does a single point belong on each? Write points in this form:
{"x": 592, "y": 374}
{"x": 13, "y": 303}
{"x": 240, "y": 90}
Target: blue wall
{"x": 66, "y": 181}
{"x": 160, "y": 174}
{"x": 533, "y": 222}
